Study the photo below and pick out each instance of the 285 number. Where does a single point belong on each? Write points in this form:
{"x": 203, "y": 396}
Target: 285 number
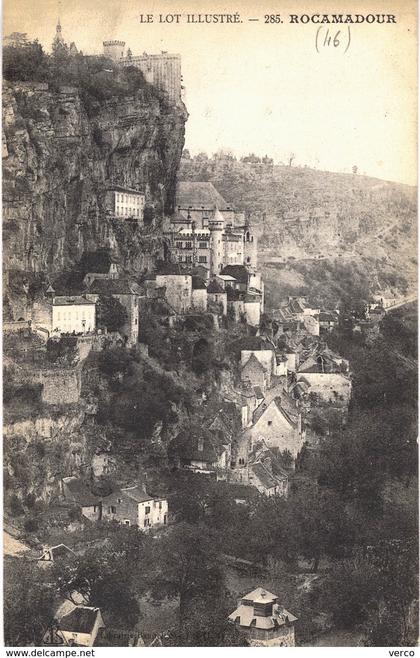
{"x": 272, "y": 18}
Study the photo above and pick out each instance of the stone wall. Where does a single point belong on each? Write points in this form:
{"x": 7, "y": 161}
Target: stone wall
{"x": 60, "y": 386}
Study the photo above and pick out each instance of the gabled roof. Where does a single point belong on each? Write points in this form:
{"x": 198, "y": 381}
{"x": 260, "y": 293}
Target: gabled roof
{"x": 239, "y": 272}
{"x": 166, "y": 269}
{"x": 81, "y": 620}
{"x": 254, "y": 362}
{"x": 57, "y": 552}
{"x": 72, "y": 300}
{"x": 199, "y": 194}
{"x": 113, "y": 287}
{"x": 136, "y": 494}
{"x": 260, "y": 595}
{"x": 127, "y": 190}
{"x": 186, "y": 445}
{"x": 260, "y": 411}
{"x": 264, "y": 476}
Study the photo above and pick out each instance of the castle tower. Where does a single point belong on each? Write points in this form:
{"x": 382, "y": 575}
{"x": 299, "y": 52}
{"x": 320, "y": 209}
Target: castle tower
{"x": 250, "y": 247}
{"x": 114, "y": 49}
{"x": 216, "y": 226}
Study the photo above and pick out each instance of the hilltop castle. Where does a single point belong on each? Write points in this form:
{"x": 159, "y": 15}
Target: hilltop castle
{"x": 162, "y": 70}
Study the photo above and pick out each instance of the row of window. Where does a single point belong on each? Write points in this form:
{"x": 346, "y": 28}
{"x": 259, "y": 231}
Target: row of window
{"x": 188, "y": 259}
{"x": 129, "y": 198}
{"x": 113, "y": 510}
{"x": 127, "y": 212}
{"x": 68, "y": 315}
{"x": 188, "y": 245}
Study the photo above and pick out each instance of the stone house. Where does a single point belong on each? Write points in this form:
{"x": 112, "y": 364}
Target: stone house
{"x": 75, "y": 491}
{"x": 133, "y": 506}
{"x": 125, "y": 202}
{"x": 128, "y": 294}
{"x": 254, "y": 373}
{"x": 277, "y": 427}
{"x": 263, "y": 621}
{"x": 77, "y": 628}
{"x": 265, "y": 357}
{"x": 178, "y": 290}
{"x": 202, "y": 451}
{"x": 72, "y": 313}
{"x": 266, "y": 474}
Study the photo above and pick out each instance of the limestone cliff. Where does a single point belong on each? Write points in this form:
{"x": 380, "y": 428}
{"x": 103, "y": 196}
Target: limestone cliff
{"x": 59, "y": 156}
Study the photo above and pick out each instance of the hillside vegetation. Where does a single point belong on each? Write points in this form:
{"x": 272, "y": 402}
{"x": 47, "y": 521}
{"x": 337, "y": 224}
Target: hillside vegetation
{"x": 314, "y": 224}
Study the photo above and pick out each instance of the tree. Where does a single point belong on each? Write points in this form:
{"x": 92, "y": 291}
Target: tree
{"x": 186, "y": 564}
{"x": 28, "y": 603}
{"x": 354, "y": 169}
{"x": 110, "y": 313}
{"x": 25, "y": 61}
{"x": 110, "y": 577}
{"x": 205, "y": 624}
{"x": 291, "y": 158}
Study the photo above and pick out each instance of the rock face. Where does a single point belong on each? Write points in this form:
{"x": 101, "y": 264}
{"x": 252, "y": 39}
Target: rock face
{"x": 59, "y": 156}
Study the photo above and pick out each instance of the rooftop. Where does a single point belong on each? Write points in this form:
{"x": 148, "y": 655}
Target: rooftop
{"x": 199, "y": 195}
{"x": 128, "y": 190}
{"x": 113, "y": 287}
{"x": 71, "y": 300}
{"x": 81, "y": 620}
{"x": 239, "y": 272}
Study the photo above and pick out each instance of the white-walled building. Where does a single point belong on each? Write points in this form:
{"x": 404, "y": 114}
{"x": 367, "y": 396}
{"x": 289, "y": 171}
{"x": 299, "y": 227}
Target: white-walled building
{"x": 125, "y": 202}
{"x": 73, "y": 313}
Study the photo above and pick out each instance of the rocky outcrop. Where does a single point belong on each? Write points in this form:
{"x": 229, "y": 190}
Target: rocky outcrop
{"x": 59, "y": 156}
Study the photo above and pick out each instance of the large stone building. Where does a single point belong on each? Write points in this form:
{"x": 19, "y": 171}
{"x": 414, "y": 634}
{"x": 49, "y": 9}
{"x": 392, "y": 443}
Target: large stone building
{"x": 162, "y": 70}
{"x": 125, "y": 202}
{"x": 206, "y": 230}
{"x": 263, "y": 620}
{"x": 72, "y": 314}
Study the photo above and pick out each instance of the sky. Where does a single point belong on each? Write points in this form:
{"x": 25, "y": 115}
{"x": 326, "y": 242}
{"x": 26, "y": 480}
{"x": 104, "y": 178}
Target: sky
{"x": 264, "y": 88}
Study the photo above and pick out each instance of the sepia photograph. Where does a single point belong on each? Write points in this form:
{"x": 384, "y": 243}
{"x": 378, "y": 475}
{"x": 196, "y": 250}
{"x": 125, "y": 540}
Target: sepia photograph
{"x": 210, "y": 373}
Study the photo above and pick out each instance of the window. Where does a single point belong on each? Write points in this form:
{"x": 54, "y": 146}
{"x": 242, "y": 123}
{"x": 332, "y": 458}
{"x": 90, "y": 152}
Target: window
{"x": 188, "y": 245}
{"x": 178, "y": 245}
{"x": 147, "y": 509}
{"x": 164, "y": 519}
{"x": 269, "y": 422}
{"x": 146, "y": 523}
{"x": 126, "y": 522}
{"x": 203, "y": 245}
{"x": 120, "y": 500}
{"x": 202, "y": 259}
{"x": 160, "y": 504}
{"x": 135, "y": 321}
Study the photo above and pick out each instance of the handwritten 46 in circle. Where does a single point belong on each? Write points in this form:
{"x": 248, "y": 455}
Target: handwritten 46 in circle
{"x": 326, "y": 39}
